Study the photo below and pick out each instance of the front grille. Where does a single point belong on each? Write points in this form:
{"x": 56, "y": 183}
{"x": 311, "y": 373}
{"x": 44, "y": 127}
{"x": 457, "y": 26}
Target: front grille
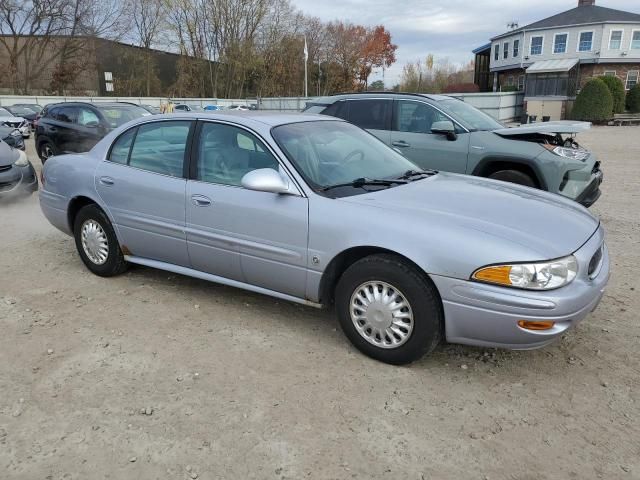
{"x": 6, "y": 186}
{"x": 595, "y": 262}
{"x": 13, "y": 124}
{"x": 4, "y": 168}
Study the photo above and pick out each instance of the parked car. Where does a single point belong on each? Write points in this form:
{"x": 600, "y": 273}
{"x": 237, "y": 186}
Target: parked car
{"x": 17, "y": 175}
{"x": 213, "y": 108}
{"x": 183, "y": 107}
{"x": 151, "y": 109}
{"x": 24, "y": 112}
{"x": 12, "y": 137}
{"x": 315, "y": 210}
{"x": 77, "y": 126}
{"x": 238, "y": 107}
{"x": 9, "y": 120}
{"x": 36, "y": 108}
{"x": 444, "y": 133}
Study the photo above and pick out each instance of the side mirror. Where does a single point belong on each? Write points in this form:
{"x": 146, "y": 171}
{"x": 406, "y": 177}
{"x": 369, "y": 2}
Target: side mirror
{"x": 265, "y": 180}
{"x": 444, "y": 127}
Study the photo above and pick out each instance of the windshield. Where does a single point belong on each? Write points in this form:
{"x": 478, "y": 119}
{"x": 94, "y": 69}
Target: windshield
{"x": 21, "y": 111}
{"x": 329, "y": 153}
{"x": 5, "y": 112}
{"x": 469, "y": 116}
{"x": 119, "y": 115}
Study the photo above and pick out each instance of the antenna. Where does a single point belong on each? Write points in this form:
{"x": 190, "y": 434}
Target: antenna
{"x": 512, "y": 25}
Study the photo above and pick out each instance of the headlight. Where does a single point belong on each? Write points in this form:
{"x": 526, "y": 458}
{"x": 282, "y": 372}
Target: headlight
{"x": 570, "y": 153}
{"x": 23, "y": 161}
{"x": 530, "y": 276}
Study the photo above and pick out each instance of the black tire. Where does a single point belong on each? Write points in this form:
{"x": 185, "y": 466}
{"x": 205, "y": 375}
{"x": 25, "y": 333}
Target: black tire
{"x": 417, "y": 289}
{"x": 115, "y": 263}
{"x": 514, "y": 176}
{"x": 46, "y": 149}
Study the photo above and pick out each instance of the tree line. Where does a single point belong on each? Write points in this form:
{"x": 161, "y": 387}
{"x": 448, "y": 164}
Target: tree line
{"x": 229, "y": 48}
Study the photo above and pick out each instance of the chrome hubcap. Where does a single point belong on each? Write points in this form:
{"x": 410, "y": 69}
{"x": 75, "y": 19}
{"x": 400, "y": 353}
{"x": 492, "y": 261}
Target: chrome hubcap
{"x": 94, "y": 242}
{"x": 381, "y": 314}
{"x": 46, "y": 152}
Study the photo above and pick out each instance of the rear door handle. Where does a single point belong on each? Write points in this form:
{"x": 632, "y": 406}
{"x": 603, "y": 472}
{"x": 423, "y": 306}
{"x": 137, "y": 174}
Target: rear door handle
{"x": 401, "y": 144}
{"x": 108, "y": 181}
{"x": 200, "y": 200}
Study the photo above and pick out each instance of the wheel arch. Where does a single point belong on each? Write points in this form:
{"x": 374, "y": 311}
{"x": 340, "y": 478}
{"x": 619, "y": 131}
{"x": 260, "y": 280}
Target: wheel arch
{"x": 492, "y": 164}
{"x": 76, "y": 203}
{"x": 343, "y": 260}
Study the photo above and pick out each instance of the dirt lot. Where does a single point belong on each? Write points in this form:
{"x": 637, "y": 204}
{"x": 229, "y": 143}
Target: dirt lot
{"x": 153, "y": 376}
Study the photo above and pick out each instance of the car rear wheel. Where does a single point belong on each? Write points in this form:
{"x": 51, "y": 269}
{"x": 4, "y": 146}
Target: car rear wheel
{"x": 46, "y": 150}
{"x": 389, "y": 309}
{"x": 514, "y": 176}
{"x": 97, "y": 243}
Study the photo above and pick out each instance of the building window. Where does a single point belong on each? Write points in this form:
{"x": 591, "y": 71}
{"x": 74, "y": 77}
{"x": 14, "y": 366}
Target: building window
{"x": 510, "y": 81}
{"x": 516, "y": 48}
{"x": 609, "y": 73}
{"x": 615, "y": 40}
{"x": 552, "y": 84}
{"x": 560, "y": 42}
{"x": 521, "y": 82}
{"x": 536, "y": 45}
{"x": 635, "y": 40}
{"x": 505, "y": 50}
{"x": 632, "y": 79}
{"x": 496, "y": 52}
{"x": 586, "y": 42}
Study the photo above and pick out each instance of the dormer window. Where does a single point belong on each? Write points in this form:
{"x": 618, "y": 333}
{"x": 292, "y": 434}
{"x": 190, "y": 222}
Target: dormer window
{"x": 536, "y": 45}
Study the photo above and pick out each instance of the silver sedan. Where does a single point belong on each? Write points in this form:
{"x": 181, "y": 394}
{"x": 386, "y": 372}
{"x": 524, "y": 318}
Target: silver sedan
{"x": 314, "y": 210}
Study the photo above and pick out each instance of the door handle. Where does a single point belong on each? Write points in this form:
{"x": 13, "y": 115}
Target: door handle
{"x": 108, "y": 181}
{"x": 200, "y": 200}
{"x": 401, "y": 144}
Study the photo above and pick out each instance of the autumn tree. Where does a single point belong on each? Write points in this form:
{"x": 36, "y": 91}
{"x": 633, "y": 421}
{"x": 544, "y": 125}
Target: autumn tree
{"x": 377, "y": 52}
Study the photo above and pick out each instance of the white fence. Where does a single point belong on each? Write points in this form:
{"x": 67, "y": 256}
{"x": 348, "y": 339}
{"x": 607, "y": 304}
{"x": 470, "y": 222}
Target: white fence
{"x": 503, "y": 106}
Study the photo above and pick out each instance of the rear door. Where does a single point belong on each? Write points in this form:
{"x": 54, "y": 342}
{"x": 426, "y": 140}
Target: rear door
{"x": 372, "y": 114}
{"x": 62, "y": 128}
{"x": 411, "y": 134}
{"x": 142, "y": 183}
{"x": 258, "y": 238}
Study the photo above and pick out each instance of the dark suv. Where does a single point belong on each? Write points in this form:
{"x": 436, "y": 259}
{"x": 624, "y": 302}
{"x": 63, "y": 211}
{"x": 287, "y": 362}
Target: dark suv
{"x": 77, "y": 127}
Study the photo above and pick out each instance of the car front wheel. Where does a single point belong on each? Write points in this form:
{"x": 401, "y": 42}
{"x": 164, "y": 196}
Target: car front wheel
{"x": 389, "y": 309}
{"x": 97, "y": 243}
{"x": 514, "y": 176}
{"x": 46, "y": 150}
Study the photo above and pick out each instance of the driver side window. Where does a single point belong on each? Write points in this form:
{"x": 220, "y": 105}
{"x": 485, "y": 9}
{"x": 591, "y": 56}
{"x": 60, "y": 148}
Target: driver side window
{"x": 87, "y": 117}
{"x": 416, "y": 117}
{"x": 226, "y": 153}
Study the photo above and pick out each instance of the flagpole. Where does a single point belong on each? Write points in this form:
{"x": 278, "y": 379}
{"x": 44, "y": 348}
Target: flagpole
{"x": 306, "y": 58}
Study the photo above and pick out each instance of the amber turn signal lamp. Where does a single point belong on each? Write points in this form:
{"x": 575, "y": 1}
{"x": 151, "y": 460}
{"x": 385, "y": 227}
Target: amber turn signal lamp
{"x": 538, "y": 325}
{"x": 498, "y": 275}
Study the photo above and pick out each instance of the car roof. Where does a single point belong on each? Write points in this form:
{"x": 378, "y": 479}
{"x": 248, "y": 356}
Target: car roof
{"x": 247, "y": 117}
{"x": 94, "y": 104}
{"x": 328, "y": 100}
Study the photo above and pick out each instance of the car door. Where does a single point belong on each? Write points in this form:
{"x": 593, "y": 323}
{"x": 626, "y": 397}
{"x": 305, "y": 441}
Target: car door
{"x": 411, "y": 134}
{"x": 142, "y": 184}
{"x": 89, "y": 131}
{"x": 372, "y": 114}
{"x": 255, "y": 237}
{"x": 62, "y": 128}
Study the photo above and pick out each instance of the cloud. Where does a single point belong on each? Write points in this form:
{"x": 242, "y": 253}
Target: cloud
{"x": 448, "y": 29}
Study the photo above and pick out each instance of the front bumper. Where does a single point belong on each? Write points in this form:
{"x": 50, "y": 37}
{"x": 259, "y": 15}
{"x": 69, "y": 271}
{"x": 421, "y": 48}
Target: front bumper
{"x": 592, "y": 191}
{"x": 17, "y": 181}
{"x": 25, "y": 130}
{"x": 488, "y": 315}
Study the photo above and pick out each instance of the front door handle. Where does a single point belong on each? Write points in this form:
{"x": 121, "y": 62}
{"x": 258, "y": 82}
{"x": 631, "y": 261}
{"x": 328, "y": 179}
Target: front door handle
{"x": 107, "y": 181}
{"x": 401, "y": 144}
{"x": 200, "y": 200}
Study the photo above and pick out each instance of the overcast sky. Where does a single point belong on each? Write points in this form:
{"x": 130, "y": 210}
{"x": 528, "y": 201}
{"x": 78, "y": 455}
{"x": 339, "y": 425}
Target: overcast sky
{"x": 450, "y": 28}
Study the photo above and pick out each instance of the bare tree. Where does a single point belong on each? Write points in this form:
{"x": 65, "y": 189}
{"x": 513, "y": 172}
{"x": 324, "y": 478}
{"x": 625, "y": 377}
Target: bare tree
{"x": 148, "y": 16}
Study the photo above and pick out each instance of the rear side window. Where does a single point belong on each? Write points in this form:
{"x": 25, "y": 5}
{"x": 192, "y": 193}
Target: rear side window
{"x": 370, "y": 114}
{"x": 64, "y": 114}
{"x": 120, "y": 149}
{"x": 338, "y": 109}
{"x": 160, "y": 147}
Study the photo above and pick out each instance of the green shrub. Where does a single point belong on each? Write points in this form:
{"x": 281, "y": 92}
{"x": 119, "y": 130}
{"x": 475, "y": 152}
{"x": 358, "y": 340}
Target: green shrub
{"x": 594, "y": 103}
{"x": 633, "y": 99}
{"x": 616, "y": 87}
{"x": 510, "y": 88}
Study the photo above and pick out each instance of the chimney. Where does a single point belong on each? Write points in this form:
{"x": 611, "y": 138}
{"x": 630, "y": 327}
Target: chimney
{"x": 586, "y": 3}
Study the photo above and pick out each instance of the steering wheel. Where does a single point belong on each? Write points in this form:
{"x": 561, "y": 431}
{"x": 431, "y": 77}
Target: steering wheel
{"x": 351, "y": 156}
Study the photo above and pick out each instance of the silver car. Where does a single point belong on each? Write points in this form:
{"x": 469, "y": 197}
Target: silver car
{"x": 312, "y": 209}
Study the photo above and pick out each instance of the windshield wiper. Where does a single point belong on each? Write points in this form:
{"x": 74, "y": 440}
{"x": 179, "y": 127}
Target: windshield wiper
{"x": 409, "y": 174}
{"x": 362, "y": 182}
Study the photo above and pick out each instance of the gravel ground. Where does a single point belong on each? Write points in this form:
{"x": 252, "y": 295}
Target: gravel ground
{"x": 151, "y": 375}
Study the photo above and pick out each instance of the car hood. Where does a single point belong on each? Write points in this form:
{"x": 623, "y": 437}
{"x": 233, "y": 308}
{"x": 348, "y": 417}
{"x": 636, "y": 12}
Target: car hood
{"x": 11, "y": 119}
{"x": 560, "y": 126}
{"x": 8, "y": 155}
{"x": 546, "y": 225}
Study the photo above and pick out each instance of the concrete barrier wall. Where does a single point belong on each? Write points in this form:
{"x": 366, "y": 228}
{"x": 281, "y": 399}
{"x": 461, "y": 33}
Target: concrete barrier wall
{"x": 503, "y": 106}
